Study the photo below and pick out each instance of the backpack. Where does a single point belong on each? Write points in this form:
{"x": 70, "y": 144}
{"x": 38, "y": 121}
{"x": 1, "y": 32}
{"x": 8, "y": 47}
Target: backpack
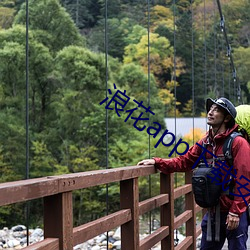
{"x": 243, "y": 120}
{"x": 206, "y": 190}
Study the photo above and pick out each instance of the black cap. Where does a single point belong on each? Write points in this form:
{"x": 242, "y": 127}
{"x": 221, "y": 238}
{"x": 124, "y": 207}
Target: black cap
{"x": 223, "y": 103}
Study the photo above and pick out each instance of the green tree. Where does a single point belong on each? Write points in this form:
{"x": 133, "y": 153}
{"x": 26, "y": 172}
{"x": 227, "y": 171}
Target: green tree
{"x": 161, "y": 57}
{"x": 242, "y": 64}
{"x": 132, "y": 78}
{"x": 6, "y": 17}
{"x": 117, "y": 32}
{"x": 8, "y": 9}
{"x": 84, "y": 13}
{"x": 13, "y": 60}
{"x": 161, "y": 16}
{"x": 42, "y": 163}
{"x": 53, "y": 25}
{"x": 12, "y": 108}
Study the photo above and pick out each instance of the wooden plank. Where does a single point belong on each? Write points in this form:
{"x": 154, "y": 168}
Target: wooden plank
{"x": 198, "y": 208}
{"x": 190, "y": 205}
{"x": 182, "y": 218}
{"x": 24, "y": 190}
{"x": 58, "y": 214}
{"x": 90, "y": 230}
{"x": 154, "y": 238}
{"x": 198, "y": 231}
{"x": 167, "y": 210}
{"x": 185, "y": 244}
{"x": 182, "y": 190}
{"x": 58, "y": 219}
{"x": 152, "y": 203}
{"x": 98, "y": 177}
{"x": 46, "y": 244}
{"x": 129, "y": 196}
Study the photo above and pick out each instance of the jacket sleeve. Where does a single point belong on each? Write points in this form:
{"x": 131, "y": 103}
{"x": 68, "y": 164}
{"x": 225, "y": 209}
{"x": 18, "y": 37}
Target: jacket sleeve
{"x": 241, "y": 163}
{"x": 182, "y": 163}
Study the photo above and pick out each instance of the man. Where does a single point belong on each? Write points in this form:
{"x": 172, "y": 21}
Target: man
{"x": 221, "y": 115}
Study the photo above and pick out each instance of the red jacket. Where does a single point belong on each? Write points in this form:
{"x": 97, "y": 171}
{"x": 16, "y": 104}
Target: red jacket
{"x": 241, "y": 163}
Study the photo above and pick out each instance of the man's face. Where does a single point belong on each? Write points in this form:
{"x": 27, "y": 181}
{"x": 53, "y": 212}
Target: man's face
{"x": 215, "y": 116}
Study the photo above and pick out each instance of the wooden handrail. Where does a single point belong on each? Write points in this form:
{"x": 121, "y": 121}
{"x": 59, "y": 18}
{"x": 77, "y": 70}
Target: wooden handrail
{"x": 24, "y": 190}
{"x": 58, "y": 208}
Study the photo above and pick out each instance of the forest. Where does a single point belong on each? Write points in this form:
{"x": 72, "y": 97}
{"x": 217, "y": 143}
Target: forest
{"x": 59, "y": 70}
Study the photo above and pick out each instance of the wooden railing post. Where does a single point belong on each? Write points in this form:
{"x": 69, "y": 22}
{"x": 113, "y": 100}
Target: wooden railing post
{"x": 129, "y": 198}
{"x": 58, "y": 219}
{"x": 190, "y": 205}
{"x": 167, "y": 210}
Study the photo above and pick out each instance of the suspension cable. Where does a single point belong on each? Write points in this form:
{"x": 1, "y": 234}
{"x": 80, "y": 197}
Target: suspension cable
{"x": 149, "y": 152}
{"x": 174, "y": 75}
{"x": 222, "y": 68}
{"x": 175, "y": 95}
{"x": 205, "y": 51}
{"x": 229, "y": 84}
{"x": 192, "y": 24}
{"x": 215, "y": 53}
{"x": 229, "y": 54}
{"x": 27, "y": 207}
{"x": 107, "y": 120}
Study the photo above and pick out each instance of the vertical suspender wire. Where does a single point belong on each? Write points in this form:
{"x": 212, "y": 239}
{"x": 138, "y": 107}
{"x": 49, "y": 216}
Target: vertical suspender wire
{"x": 175, "y": 91}
{"x": 222, "y": 70}
{"x": 192, "y": 23}
{"x": 149, "y": 153}
{"x": 229, "y": 83}
{"x": 235, "y": 90}
{"x": 174, "y": 76}
{"x": 106, "y": 81}
{"x": 77, "y": 13}
{"x": 215, "y": 53}
{"x": 223, "y": 79}
{"x": 205, "y": 51}
{"x": 205, "y": 54}
{"x": 27, "y": 207}
{"x": 222, "y": 60}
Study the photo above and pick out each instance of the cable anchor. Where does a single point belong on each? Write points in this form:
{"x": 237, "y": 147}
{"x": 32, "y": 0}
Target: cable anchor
{"x": 222, "y": 24}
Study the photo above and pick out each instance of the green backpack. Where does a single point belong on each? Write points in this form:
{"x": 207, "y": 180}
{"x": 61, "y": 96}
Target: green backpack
{"x": 243, "y": 119}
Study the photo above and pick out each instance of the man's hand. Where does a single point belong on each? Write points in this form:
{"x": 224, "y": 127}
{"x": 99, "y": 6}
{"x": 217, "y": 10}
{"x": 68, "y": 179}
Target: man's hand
{"x": 146, "y": 162}
{"x": 232, "y": 221}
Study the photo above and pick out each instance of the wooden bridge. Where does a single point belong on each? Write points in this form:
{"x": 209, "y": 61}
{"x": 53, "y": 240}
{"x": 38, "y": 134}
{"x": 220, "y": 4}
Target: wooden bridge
{"x": 56, "y": 192}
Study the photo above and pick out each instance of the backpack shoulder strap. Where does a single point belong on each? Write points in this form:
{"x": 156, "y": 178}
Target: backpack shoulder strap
{"x": 227, "y": 147}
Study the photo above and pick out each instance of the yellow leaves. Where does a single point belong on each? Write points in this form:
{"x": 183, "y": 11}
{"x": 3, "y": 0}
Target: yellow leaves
{"x": 203, "y": 114}
{"x": 161, "y": 12}
{"x": 242, "y": 56}
{"x": 160, "y": 53}
{"x": 242, "y": 62}
{"x": 188, "y": 109}
{"x": 166, "y": 96}
{"x": 195, "y": 134}
{"x": 248, "y": 85}
{"x": 170, "y": 102}
{"x": 173, "y": 112}
{"x": 237, "y": 4}
{"x": 179, "y": 66}
{"x": 6, "y": 17}
{"x": 161, "y": 16}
